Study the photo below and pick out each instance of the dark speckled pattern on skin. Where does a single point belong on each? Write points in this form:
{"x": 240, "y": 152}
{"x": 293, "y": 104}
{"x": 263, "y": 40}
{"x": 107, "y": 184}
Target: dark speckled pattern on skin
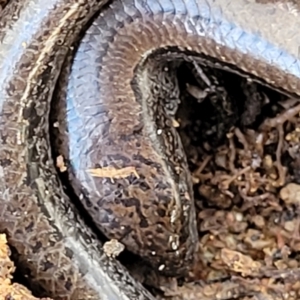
{"x": 154, "y": 215}
{"x": 61, "y": 254}
{"x": 56, "y": 250}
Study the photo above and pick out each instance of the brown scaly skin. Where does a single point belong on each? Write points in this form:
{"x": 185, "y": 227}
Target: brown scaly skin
{"x": 129, "y": 121}
{"x": 152, "y": 213}
{"x": 56, "y": 250}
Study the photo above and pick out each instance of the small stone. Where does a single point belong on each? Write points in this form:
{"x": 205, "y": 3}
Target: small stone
{"x": 113, "y": 248}
{"x": 290, "y": 193}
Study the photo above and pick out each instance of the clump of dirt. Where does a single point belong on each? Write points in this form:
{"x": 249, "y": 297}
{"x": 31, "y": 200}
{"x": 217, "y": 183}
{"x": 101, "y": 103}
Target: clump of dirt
{"x": 9, "y": 290}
